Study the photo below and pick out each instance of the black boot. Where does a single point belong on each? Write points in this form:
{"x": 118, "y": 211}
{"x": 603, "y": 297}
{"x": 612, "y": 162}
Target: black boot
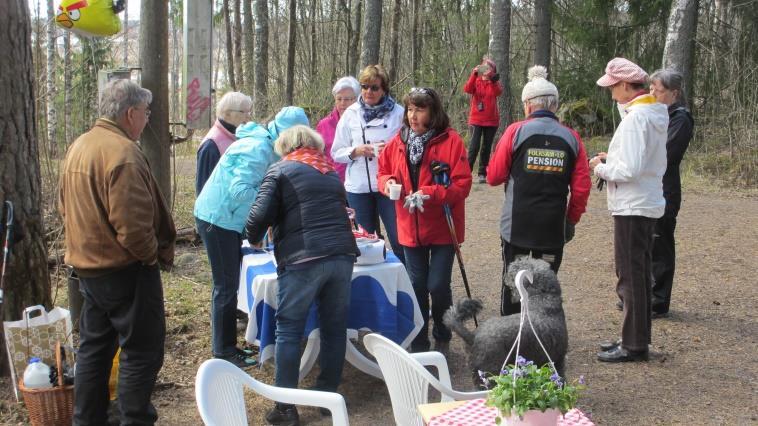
{"x": 283, "y": 415}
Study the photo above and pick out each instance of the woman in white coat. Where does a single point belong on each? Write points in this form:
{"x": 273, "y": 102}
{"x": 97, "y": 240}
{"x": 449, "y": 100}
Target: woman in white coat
{"x": 362, "y": 132}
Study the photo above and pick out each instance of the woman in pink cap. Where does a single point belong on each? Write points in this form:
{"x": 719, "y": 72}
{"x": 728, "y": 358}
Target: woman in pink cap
{"x": 633, "y": 167}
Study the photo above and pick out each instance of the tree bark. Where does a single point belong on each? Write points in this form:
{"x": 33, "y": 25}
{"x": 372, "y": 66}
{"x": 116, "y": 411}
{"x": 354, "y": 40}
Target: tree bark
{"x": 542, "y": 30}
{"x": 260, "y": 10}
{"x": 291, "y": 41}
{"x": 679, "y": 50}
{"x": 313, "y": 69}
{"x": 248, "y": 46}
{"x": 237, "y": 33}
{"x": 500, "y": 41}
{"x": 26, "y": 279}
{"x": 126, "y": 34}
{"x": 52, "y": 115}
{"x": 372, "y": 33}
{"x": 415, "y": 40}
{"x": 67, "y": 124}
{"x": 395, "y": 40}
{"x": 156, "y": 142}
{"x": 229, "y": 46}
{"x": 354, "y": 38}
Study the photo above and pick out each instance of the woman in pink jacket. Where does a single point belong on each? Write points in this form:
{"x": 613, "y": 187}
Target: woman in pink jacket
{"x": 345, "y": 92}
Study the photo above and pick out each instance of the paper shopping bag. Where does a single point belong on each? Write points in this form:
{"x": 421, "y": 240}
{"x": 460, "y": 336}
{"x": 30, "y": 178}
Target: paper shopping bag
{"x": 36, "y": 337}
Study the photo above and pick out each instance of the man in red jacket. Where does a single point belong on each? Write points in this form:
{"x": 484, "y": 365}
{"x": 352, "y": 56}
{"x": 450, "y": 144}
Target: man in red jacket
{"x": 540, "y": 161}
{"x": 484, "y": 118}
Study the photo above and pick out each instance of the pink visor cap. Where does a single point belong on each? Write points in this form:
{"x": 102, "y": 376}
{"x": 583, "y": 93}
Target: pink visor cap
{"x": 620, "y": 69}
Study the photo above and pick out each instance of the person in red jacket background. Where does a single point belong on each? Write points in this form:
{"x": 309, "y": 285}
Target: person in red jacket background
{"x": 484, "y": 118}
{"x": 421, "y": 225}
{"x": 540, "y": 161}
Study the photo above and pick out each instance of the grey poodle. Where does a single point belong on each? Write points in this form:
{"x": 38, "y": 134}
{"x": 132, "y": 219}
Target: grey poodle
{"x": 489, "y": 344}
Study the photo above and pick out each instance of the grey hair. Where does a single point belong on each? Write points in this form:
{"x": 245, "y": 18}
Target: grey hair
{"x": 348, "y": 82}
{"x": 120, "y": 95}
{"x": 671, "y": 80}
{"x": 298, "y": 137}
{"x": 233, "y": 101}
{"x": 548, "y": 102}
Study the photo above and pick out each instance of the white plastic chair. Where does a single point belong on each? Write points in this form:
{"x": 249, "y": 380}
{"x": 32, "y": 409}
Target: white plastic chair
{"x": 219, "y": 394}
{"x": 408, "y": 381}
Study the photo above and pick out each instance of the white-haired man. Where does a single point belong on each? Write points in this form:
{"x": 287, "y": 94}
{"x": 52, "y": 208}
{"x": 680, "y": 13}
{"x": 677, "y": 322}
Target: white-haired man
{"x": 540, "y": 161}
{"x": 118, "y": 231}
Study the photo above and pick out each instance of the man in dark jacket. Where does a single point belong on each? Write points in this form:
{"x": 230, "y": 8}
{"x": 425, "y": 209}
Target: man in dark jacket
{"x": 303, "y": 198}
{"x": 666, "y": 86}
{"x": 540, "y": 161}
{"x": 118, "y": 231}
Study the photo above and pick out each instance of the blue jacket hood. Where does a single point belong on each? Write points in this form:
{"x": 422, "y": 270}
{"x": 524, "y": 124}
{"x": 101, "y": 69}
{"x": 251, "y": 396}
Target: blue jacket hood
{"x": 252, "y": 129}
{"x": 286, "y": 118}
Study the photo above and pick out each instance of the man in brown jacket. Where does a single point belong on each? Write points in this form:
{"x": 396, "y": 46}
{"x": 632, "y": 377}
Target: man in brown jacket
{"x": 118, "y": 232}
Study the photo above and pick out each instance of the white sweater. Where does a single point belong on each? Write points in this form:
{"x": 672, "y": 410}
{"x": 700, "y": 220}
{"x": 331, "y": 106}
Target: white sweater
{"x": 637, "y": 160}
{"x": 352, "y": 131}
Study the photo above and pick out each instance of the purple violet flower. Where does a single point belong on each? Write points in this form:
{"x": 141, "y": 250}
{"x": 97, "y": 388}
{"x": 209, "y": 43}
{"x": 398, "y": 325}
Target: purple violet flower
{"x": 520, "y": 361}
{"x": 581, "y": 379}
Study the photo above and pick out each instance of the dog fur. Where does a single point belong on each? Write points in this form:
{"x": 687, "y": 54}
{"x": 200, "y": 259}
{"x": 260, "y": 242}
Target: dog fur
{"x": 490, "y": 342}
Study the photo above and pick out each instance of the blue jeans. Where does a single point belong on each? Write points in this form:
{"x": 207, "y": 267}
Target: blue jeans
{"x": 430, "y": 269}
{"x": 368, "y": 208}
{"x": 328, "y": 283}
{"x": 225, "y": 256}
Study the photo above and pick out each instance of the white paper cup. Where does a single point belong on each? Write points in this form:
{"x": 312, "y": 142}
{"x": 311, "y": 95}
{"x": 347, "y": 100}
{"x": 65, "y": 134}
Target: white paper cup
{"x": 395, "y": 191}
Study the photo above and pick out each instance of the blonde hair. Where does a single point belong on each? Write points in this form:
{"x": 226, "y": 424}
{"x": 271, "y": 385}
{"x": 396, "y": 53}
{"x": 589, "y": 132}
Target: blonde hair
{"x": 297, "y": 137}
{"x": 374, "y": 72}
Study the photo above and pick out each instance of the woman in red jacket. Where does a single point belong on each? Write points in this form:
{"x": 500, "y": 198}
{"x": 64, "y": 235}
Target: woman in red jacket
{"x": 484, "y": 118}
{"x": 421, "y": 225}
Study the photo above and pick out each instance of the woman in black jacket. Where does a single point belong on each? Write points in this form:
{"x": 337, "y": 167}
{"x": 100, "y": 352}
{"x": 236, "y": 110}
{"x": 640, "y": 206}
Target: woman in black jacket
{"x": 303, "y": 198}
{"x": 667, "y": 87}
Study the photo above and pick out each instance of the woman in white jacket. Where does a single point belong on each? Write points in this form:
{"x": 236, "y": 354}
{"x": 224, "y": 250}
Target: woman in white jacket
{"x": 633, "y": 167}
{"x": 363, "y": 130}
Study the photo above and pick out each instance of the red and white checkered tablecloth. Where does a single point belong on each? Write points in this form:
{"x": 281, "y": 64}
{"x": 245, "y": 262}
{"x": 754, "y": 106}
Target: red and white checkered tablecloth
{"x": 475, "y": 413}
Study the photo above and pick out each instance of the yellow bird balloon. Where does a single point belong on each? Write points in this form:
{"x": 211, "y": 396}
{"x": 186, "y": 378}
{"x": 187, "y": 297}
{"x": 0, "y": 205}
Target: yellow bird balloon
{"x": 90, "y": 17}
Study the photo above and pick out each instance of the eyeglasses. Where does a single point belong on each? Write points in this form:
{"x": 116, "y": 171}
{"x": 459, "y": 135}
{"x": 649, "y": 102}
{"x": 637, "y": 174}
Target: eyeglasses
{"x": 372, "y": 87}
{"x": 146, "y": 111}
{"x": 345, "y": 99}
{"x": 240, "y": 111}
{"x": 420, "y": 90}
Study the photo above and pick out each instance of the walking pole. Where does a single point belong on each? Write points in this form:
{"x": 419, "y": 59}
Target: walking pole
{"x": 6, "y": 250}
{"x": 440, "y": 172}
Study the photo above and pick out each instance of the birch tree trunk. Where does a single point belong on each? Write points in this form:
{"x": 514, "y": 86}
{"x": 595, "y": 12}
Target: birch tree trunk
{"x": 500, "y": 41}
{"x": 153, "y": 41}
{"x": 52, "y": 115}
{"x": 229, "y": 46}
{"x": 354, "y": 38}
{"x": 372, "y": 32}
{"x": 237, "y": 33}
{"x": 291, "y": 41}
{"x": 348, "y": 36}
{"x": 26, "y": 278}
{"x": 248, "y": 46}
{"x": 679, "y": 50}
{"x": 395, "y": 40}
{"x": 67, "y": 124}
{"x": 126, "y": 34}
{"x": 260, "y": 11}
{"x": 542, "y": 30}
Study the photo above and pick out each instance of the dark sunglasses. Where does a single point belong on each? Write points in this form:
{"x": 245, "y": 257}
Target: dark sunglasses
{"x": 373, "y": 88}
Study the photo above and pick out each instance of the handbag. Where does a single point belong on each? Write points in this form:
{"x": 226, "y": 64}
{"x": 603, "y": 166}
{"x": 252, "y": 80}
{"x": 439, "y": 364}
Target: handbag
{"x": 36, "y": 337}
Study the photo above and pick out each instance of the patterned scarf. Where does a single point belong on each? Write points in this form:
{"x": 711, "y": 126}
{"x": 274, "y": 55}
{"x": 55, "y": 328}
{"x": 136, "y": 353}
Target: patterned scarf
{"x": 311, "y": 157}
{"x": 385, "y": 105}
{"x": 416, "y": 145}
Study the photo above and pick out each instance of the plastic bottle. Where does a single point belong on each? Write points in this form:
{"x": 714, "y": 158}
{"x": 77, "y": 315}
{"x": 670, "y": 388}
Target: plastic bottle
{"x": 37, "y": 375}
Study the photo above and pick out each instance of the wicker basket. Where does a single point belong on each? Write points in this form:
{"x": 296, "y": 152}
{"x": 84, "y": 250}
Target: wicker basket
{"x": 50, "y": 406}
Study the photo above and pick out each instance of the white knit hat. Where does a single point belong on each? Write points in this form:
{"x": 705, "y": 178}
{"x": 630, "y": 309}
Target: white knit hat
{"x": 538, "y": 84}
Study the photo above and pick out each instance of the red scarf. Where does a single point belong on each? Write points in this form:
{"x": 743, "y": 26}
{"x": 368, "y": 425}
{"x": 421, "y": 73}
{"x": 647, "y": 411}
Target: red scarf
{"x": 311, "y": 157}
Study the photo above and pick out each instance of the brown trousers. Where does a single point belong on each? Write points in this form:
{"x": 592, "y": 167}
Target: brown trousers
{"x": 633, "y": 248}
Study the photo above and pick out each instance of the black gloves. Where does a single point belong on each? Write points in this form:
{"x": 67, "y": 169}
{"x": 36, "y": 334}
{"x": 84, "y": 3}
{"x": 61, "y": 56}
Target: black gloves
{"x": 569, "y": 231}
{"x": 495, "y": 77}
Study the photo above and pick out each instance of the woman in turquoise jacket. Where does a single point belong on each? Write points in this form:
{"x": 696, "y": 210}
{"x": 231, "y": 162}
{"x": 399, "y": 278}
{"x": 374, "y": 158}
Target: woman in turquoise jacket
{"x": 220, "y": 213}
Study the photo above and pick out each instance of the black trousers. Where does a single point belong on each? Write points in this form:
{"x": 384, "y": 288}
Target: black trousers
{"x": 664, "y": 263}
{"x": 633, "y": 250}
{"x": 509, "y": 253}
{"x": 486, "y": 134}
{"x": 123, "y": 308}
